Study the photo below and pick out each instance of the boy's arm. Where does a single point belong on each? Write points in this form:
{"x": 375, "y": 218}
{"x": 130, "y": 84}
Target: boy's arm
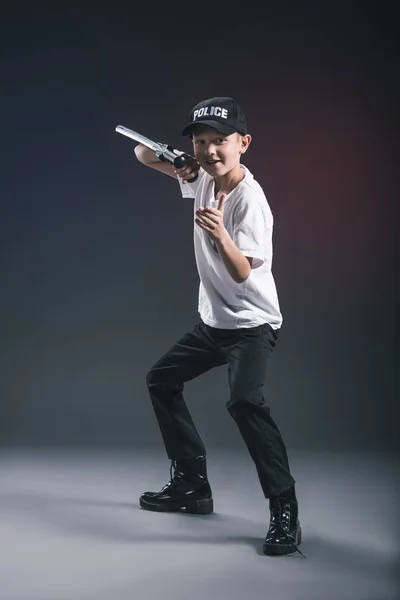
{"x": 148, "y": 158}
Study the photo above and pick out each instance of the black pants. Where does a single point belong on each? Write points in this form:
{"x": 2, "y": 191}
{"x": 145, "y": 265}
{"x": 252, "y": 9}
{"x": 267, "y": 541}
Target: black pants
{"x": 246, "y": 351}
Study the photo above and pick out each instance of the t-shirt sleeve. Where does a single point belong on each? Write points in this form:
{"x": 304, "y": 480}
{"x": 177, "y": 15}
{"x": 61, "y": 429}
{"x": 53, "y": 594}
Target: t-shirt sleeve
{"x": 189, "y": 189}
{"x": 252, "y": 231}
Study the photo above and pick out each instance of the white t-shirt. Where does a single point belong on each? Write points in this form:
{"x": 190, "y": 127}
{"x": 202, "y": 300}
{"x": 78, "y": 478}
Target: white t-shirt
{"x": 223, "y": 303}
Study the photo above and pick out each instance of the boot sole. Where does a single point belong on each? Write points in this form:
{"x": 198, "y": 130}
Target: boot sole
{"x": 278, "y": 549}
{"x": 194, "y": 507}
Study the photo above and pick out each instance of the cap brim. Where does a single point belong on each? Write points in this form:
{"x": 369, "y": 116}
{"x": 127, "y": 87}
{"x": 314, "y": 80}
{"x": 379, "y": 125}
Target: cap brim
{"x": 222, "y": 127}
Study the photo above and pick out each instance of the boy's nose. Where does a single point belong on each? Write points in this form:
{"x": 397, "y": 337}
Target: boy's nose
{"x": 210, "y": 151}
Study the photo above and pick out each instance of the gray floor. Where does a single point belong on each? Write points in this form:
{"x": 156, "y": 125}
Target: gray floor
{"x": 71, "y": 529}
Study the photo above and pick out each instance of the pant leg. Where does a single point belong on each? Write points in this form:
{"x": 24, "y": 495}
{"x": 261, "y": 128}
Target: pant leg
{"x": 194, "y": 354}
{"x": 247, "y": 354}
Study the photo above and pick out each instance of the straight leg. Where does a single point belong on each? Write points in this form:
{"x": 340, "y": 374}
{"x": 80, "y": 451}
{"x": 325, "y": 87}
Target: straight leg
{"x": 247, "y": 352}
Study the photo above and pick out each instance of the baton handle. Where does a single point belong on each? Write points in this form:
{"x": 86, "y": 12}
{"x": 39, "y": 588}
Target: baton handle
{"x": 180, "y": 162}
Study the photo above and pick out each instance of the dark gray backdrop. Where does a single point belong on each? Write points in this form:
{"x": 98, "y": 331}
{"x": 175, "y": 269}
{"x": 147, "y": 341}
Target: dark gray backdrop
{"x": 98, "y": 276}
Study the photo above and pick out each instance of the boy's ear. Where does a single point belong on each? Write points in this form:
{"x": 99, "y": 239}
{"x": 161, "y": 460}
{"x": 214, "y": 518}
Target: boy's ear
{"x": 246, "y": 140}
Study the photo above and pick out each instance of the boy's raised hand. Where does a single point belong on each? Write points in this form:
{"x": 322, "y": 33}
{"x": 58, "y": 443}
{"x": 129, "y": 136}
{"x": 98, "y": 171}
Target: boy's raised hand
{"x": 189, "y": 171}
{"x": 221, "y": 202}
{"x": 211, "y": 219}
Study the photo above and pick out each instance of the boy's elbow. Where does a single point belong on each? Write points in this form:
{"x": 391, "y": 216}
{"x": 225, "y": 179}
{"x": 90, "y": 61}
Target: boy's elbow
{"x": 246, "y": 270}
{"x": 243, "y": 277}
{"x": 140, "y": 152}
{"x": 145, "y": 155}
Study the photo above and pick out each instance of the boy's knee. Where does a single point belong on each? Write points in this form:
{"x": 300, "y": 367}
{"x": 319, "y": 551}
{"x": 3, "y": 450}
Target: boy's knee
{"x": 243, "y": 402}
{"x": 156, "y": 378}
{"x": 151, "y": 378}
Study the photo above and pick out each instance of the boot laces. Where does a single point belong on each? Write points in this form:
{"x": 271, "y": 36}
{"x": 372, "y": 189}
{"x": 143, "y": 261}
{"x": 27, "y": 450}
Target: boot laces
{"x": 278, "y": 515}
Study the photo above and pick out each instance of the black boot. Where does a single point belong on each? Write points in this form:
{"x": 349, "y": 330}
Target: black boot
{"x": 187, "y": 491}
{"x": 284, "y": 533}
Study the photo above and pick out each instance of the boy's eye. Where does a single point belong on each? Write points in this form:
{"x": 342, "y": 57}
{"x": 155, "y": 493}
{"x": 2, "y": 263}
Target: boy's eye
{"x": 202, "y": 142}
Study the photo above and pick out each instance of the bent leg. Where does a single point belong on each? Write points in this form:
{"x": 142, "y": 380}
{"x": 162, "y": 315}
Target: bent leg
{"x": 194, "y": 354}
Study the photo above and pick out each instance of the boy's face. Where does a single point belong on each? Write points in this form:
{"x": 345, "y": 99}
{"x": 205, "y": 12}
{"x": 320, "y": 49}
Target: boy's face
{"x": 218, "y": 153}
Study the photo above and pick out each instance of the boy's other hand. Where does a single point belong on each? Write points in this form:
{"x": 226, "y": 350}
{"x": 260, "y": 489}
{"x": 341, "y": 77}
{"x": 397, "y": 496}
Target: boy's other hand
{"x": 211, "y": 219}
{"x": 190, "y": 170}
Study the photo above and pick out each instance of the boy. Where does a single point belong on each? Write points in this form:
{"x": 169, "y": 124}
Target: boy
{"x": 239, "y": 323}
